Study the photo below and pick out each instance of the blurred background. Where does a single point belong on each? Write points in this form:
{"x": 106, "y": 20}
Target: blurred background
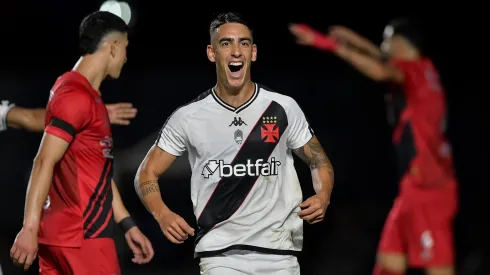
{"x": 167, "y": 67}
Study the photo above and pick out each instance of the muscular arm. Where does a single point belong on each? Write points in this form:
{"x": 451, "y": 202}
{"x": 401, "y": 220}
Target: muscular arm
{"x": 321, "y": 168}
{"x": 120, "y": 211}
{"x": 153, "y": 166}
{"x": 50, "y": 153}
{"x": 355, "y": 40}
{"x": 29, "y": 119}
{"x": 372, "y": 67}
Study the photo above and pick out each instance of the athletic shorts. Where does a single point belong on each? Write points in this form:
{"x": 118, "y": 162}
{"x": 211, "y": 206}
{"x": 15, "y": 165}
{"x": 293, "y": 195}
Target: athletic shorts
{"x": 94, "y": 257}
{"x": 249, "y": 263}
{"x": 422, "y": 230}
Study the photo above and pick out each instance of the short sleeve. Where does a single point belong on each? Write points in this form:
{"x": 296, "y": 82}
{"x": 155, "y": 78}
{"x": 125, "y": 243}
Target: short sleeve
{"x": 69, "y": 112}
{"x": 172, "y": 136}
{"x": 403, "y": 65}
{"x": 5, "y": 107}
{"x": 300, "y": 131}
{"x": 413, "y": 73}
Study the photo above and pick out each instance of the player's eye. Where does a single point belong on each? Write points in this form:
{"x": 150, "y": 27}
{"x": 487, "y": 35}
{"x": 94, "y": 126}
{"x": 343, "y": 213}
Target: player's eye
{"x": 245, "y": 43}
{"x": 225, "y": 44}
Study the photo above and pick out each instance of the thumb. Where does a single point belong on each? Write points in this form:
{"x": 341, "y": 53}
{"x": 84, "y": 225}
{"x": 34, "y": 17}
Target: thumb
{"x": 187, "y": 228}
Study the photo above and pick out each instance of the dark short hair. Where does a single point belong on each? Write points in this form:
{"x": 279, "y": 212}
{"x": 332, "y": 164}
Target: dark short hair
{"x": 228, "y": 17}
{"x": 410, "y": 29}
{"x": 95, "y": 27}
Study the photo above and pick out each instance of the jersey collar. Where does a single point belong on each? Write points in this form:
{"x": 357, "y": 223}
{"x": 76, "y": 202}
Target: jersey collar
{"x": 239, "y": 108}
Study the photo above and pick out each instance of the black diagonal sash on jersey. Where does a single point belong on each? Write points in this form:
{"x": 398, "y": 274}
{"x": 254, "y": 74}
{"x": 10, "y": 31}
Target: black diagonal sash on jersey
{"x": 232, "y": 191}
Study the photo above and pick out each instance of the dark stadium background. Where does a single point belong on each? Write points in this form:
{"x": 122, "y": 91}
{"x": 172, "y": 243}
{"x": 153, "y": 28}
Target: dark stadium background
{"x": 167, "y": 67}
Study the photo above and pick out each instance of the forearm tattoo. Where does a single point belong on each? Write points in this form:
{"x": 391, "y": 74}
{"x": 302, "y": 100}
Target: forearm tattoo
{"x": 148, "y": 187}
{"x": 313, "y": 155}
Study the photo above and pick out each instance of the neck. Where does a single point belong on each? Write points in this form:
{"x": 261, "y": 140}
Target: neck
{"x": 235, "y": 96}
{"x": 92, "y": 69}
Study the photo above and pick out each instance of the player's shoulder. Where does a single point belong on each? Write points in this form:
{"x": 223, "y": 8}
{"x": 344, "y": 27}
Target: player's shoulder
{"x": 71, "y": 86}
{"x": 420, "y": 63}
{"x": 287, "y": 102}
{"x": 193, "y": 105}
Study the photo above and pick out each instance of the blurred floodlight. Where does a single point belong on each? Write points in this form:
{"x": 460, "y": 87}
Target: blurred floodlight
{"x": 120, "y": 9}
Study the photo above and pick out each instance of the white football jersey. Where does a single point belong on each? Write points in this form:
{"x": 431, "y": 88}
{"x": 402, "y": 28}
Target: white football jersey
{"x": 244, "y": 187}
{"x": 5, "y": 107}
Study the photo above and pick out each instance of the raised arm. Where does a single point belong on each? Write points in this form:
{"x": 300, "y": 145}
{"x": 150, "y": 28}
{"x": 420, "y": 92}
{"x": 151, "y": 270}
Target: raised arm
{"x": 370, "y": 66}
{"x": 349, "y": 37}
{"x": 359, "y": 53}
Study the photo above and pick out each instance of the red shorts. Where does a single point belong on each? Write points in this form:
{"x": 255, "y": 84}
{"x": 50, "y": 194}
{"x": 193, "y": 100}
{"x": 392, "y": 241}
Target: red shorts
{"x": 421, "y": 229}
{"x": 95, "y": 257}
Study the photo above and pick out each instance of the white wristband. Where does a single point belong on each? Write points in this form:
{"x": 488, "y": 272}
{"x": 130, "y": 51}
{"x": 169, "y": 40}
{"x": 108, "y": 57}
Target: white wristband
{"x": 4, "y": 109}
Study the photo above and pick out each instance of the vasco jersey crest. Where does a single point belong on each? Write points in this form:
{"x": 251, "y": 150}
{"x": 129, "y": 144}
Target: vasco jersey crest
{"x": 244, "y": 186}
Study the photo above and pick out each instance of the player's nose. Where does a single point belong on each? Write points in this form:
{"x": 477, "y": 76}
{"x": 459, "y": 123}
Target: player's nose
{"x": 236, "y": 51}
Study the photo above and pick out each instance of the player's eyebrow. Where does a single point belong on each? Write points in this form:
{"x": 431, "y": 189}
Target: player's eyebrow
{"x": 230, "y": 39}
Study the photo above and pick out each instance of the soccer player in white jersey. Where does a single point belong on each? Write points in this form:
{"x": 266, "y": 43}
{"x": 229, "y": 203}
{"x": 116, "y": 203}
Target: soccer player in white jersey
{"x": 239, "y": 137}
{"x": 12, "y": 116}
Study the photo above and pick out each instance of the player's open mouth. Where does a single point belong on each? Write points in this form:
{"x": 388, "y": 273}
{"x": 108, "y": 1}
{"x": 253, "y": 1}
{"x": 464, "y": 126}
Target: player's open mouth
{"x": 235, "y": 68}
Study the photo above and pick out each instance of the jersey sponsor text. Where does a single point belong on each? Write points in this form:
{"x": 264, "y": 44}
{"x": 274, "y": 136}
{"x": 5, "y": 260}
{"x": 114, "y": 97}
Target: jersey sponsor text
{"x": 259, "y": 168}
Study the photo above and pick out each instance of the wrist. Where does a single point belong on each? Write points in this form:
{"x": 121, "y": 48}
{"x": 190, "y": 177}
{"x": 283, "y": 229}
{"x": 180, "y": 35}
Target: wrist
{"x": 325, "y": 195}
{"x": 126, "y": 224}
{"x": 31, "y": 227}
{"x": 161, "y": 213}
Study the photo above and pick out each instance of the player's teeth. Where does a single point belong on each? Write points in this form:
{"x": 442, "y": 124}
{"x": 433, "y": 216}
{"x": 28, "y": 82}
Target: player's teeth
{"x": 236, "y": 63}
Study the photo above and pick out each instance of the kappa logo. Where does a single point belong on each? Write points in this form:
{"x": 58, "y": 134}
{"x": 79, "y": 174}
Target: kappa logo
{"x": 237, "y": 122}
{"x": 259, "y": 168}
{"x": 269, "y": 132}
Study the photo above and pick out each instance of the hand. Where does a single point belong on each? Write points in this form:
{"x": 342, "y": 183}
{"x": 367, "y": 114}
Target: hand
{"x": 305, "y": 35}
{"x": 302, "y": 34}
{"x": 24, "y": 250}
{"x": 174, "y": 227}
{"x": 342, "y": 34}
{"x": 140, "y": 245}
{"x": 121, "y": 113}
{"x": 313, "y": 209}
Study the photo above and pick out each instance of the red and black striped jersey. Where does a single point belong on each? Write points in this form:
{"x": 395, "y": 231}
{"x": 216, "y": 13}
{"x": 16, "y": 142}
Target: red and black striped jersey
{"x": 79, "y": 204}
{"x": 420, "y": 137}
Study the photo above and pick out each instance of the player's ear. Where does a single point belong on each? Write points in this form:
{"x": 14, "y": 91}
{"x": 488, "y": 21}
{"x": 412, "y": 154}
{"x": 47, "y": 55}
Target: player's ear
{"x": 210, "y": 53}
{"x": 254, "y": 52}
{"x": 113, "y": 47}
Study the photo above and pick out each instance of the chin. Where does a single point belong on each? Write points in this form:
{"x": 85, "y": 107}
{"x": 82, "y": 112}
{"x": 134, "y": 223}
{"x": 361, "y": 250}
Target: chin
{"x": 113, "y": 76}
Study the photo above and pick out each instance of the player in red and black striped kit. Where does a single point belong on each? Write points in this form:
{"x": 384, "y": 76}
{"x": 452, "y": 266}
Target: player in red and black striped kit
{"x": 72, "y": 202}
{"x": 418, "y": 232}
